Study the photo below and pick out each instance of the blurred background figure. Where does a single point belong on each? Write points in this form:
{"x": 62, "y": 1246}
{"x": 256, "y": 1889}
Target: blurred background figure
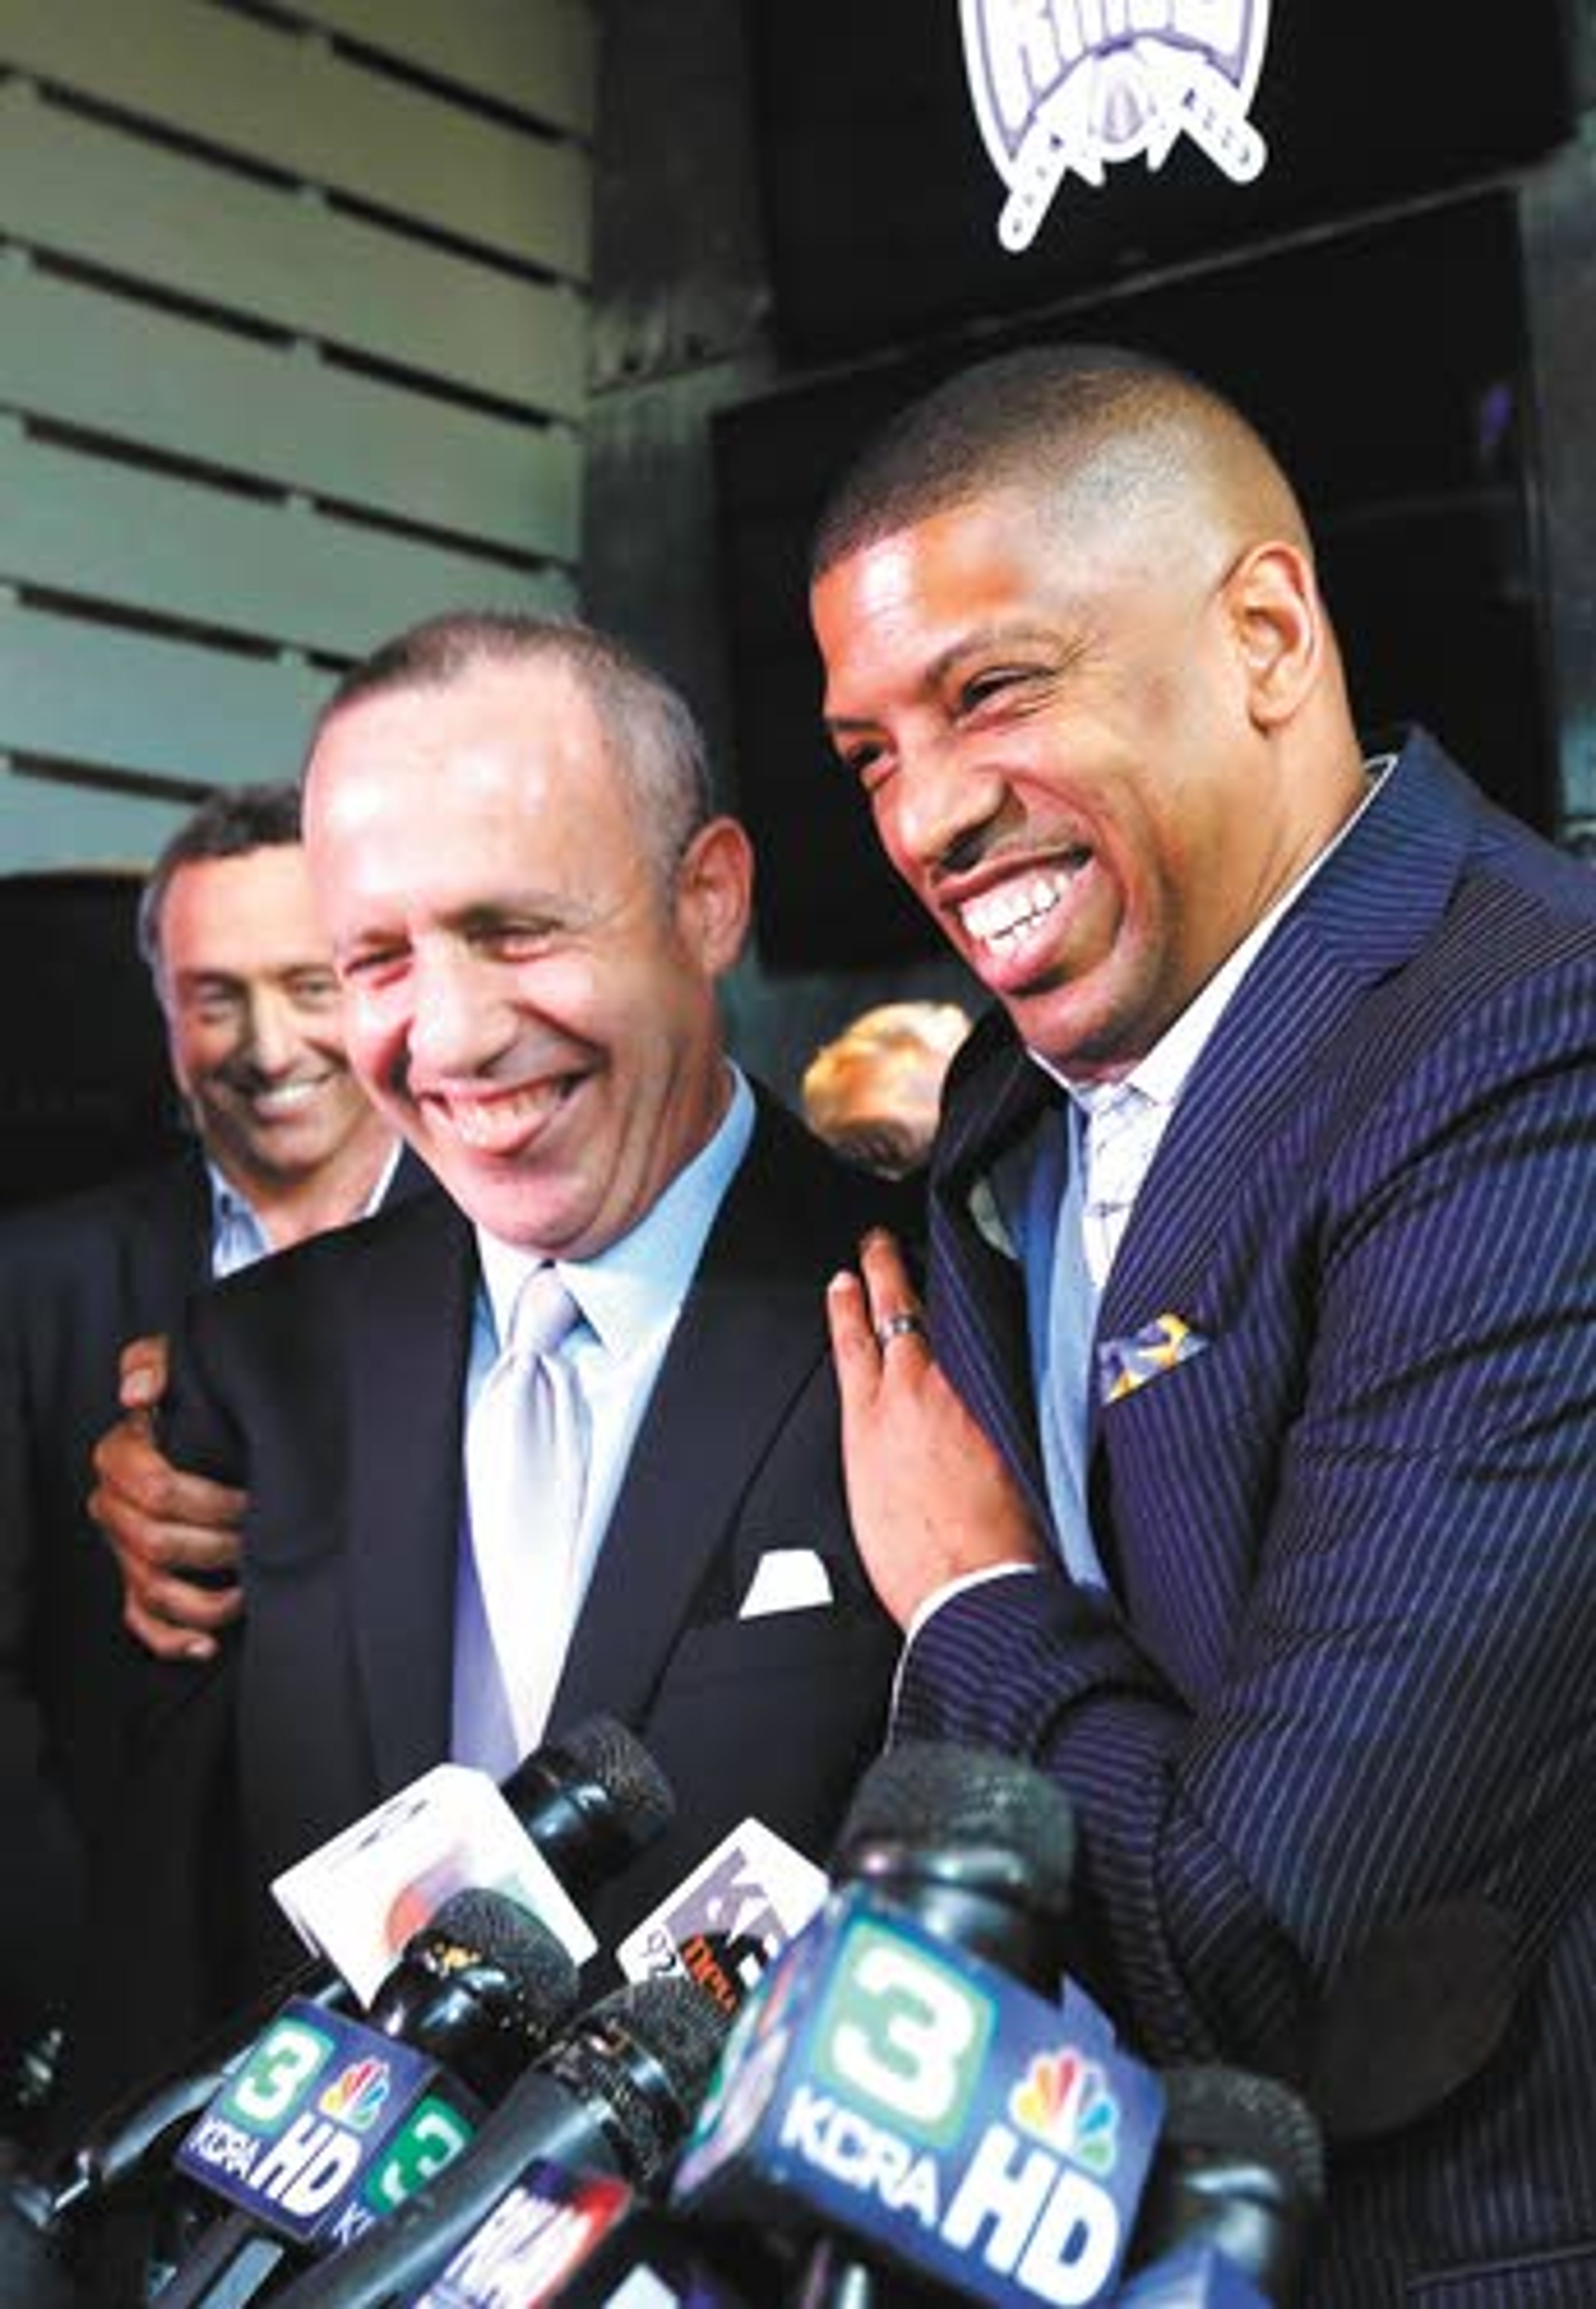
{"x": 874, "y": 1093}
{"x": 283, "y": 1145}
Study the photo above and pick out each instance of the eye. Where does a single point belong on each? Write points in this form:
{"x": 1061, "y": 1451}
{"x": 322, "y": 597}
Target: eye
{"x": 211, "y": 1004}
{"x": 315, "y": 989}
{"x": 993, "y": 682}
{"x": 512, "y": 940}
{"x": 370, "y": 966}
{"x": 864, "y": 758}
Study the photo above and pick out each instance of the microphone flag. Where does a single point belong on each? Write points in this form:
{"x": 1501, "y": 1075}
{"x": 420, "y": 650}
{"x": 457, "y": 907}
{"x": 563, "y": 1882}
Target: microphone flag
{"x": 327, "y": 2126}
{"x": 883, "y": 2082}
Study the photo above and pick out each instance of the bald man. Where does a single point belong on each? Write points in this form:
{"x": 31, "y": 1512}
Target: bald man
{"x": 1244, "y": 1478}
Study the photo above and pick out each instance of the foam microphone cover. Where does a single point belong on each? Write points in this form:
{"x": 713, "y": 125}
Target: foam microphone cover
{"x": 978, "y": 1846}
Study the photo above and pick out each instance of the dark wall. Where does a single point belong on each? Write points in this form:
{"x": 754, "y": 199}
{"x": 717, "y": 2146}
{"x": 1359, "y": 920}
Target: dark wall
{"x": 85, "y": 1090}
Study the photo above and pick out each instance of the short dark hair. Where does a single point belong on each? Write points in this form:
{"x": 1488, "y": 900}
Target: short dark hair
{"x": 228, "y": 824}
{"x": 1019, "y": 419}
{"x": 655, "y": 736}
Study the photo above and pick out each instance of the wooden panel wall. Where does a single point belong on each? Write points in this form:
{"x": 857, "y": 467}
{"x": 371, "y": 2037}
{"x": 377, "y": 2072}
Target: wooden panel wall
{"x": 293, "y": 325}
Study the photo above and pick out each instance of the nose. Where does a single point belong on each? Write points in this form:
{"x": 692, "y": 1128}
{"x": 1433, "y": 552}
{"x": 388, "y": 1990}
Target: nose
{"x": 271, "y": 1033}
{"x": 459, "y": 1022}
{"x": 942, "y": 802}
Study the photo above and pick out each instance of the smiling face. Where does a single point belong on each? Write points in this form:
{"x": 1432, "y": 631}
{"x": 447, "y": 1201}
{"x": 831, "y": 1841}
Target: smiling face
{"x": 255, "y": 1022}
{"x": 533, "y": 998}
{"x": 1067, "y": 734}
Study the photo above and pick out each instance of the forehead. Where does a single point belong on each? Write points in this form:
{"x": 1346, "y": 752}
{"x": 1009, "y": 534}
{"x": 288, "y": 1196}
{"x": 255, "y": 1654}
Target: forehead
{"x": 990, "y": 569}
{"x": 503, "y": 776}
{"x": 244, "y": 912}
{"x": 1000, "y": 540}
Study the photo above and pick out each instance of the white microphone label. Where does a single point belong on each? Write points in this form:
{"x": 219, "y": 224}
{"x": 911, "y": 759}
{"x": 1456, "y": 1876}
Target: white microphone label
{"x": 358, "y": 1898}
{"x": 724, "y": 1924}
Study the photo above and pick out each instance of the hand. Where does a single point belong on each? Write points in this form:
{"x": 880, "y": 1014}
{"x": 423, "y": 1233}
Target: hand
{"x": 930, "y": 1496}
{"x": 162, "y": 1524}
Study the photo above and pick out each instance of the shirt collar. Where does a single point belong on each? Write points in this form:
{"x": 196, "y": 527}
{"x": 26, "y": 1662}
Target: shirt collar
{"x": 239, "y": 1235}
{"x": 622, "y": 1290}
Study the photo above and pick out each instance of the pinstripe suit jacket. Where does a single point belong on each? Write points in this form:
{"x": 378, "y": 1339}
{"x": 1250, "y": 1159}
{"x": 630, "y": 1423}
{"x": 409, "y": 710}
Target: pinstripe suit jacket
{"x": 1332, "y": 1743}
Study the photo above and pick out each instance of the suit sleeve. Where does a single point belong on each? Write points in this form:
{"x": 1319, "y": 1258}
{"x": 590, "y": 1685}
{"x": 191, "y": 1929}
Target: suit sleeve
{"x": 1404, "y": 1715}
{"x": 38, "y": 1903}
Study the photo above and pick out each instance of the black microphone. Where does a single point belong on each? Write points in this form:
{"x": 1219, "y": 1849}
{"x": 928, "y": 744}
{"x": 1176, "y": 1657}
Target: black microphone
{"x": 480, "y": 1988}
{"x": 979, "y": 1848}
{"x": 476, "y": 1991}
{"x": 976, "y": 1845}
{"x": 589, "y": 1802}
{"x": 1239, "y": 2171}
{"x": 615, "y": 2094}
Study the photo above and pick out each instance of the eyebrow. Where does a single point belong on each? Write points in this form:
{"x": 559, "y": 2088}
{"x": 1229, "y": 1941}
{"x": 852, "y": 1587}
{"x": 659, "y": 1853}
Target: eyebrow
{"x": 945, "y": 661}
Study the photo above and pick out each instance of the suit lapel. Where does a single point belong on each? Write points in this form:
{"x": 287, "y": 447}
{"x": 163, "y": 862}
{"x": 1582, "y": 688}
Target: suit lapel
{"x": 750, "y": 1333}
{"x": 1364, "y": 915}
{"x": 977, "y": 1293}
{"x": 170, "y": 1243}
{"x": 410, "y": 1312}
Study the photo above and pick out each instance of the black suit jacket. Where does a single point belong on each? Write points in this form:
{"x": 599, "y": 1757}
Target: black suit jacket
{"x": 330, "y": 1383}
{"x": 78, "y": 1279}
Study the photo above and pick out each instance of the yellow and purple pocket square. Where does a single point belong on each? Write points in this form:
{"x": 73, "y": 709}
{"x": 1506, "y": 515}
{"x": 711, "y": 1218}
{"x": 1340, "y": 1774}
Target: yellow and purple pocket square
{"x": 1126, "y": 1364}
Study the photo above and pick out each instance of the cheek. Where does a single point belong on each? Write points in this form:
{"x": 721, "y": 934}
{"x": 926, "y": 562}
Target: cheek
{"x": 374, "y": 1030}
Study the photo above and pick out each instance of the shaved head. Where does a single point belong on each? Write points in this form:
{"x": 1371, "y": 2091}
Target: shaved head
{"x": 1089, "y": 429}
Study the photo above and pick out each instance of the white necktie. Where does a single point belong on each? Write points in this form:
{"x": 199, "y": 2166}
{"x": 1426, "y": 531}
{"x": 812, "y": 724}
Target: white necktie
{"x": 526, "y": 1470}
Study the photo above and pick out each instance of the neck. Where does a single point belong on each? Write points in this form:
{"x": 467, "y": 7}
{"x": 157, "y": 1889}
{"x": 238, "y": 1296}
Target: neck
{"x": 291, "y": 1210}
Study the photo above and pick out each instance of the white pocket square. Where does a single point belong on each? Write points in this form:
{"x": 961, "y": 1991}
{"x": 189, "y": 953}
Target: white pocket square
{"x": 786, "y": 1580}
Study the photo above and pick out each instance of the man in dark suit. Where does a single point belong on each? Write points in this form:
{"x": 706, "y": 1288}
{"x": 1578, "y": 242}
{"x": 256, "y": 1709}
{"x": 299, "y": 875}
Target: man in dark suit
{"x": 531, "y": 906}
{"x": 1247, "y": 1476}
{"x": 285, "y": 1145}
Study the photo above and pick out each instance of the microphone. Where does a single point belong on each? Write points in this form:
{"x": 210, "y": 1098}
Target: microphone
{"x": 1239, "y": 2180}
{"x": 589, "y": 1802}
{"x": 479, "y": 1988}
{"x": 978, "y": 1846}
{"x": 587, "y": 2241}
{"x": 615, "y": 2095}
{"x": 328, "y": 2121}
{"x": 903, "y": 2077}
{"x": 586, "y": 1805}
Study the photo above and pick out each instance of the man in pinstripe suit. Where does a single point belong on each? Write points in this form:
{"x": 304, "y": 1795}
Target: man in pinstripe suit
{"x": 1245, "y": 1478}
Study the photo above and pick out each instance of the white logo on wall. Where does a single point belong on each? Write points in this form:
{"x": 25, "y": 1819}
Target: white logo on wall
{"x": 1062, "y": 85}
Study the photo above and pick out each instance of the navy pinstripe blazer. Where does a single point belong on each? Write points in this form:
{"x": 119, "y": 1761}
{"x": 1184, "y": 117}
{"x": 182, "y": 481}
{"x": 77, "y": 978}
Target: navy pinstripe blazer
{"x": 1333, "y": 1744}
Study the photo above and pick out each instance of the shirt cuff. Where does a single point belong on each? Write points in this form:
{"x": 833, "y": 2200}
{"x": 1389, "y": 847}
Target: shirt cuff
{"x": 946, "y": 1593}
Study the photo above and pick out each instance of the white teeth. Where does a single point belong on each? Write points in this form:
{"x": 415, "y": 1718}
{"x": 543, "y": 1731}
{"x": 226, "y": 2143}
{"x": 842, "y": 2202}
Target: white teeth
{"x": 489, "y": 1122}
{"x": 1000, "y": 916}
{"x": 281, "y": 1094}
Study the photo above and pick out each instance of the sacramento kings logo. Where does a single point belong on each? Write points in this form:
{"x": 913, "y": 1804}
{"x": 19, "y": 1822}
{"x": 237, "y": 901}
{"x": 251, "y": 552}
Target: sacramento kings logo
{"x": 1062, "y": 85}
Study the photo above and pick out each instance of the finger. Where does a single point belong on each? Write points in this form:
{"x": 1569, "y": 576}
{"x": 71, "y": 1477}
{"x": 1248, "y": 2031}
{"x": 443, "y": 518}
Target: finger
{"x": 165, "y": 1641}
{"x": 142, "y": 1373}
{"x": 197, "y": 1611}
{"x": 854, "y": 1351}
{"x": 896, "y": 1317}
{"x": 132, "y": 1473}
{"x": 154, "y": 1544}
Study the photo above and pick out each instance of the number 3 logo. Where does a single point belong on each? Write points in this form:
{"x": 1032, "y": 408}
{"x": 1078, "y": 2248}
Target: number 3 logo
{"x": 279, "y": 2070}
{"x": 905, "y": 2032}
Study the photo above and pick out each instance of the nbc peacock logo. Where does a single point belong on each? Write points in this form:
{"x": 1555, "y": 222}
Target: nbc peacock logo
{"x": 359, "y": 2094}
{"x": 1064, "y": 2101}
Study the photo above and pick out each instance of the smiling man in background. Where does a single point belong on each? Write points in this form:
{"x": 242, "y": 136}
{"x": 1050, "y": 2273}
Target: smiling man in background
{"x": 285, "y": 1145}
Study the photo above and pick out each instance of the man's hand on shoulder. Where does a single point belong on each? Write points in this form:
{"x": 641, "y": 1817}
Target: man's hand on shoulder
{"x": 929, "y": 1496}
{"x": 164, "y": 1526}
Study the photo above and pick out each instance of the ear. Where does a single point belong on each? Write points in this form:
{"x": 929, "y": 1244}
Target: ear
{"x": 1278, "y": 623}
{"x": 714, "y": 893}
